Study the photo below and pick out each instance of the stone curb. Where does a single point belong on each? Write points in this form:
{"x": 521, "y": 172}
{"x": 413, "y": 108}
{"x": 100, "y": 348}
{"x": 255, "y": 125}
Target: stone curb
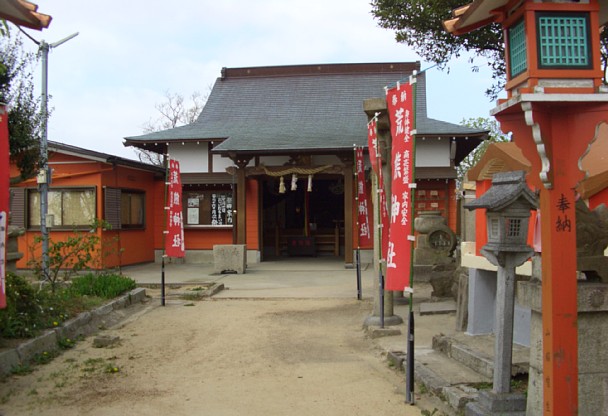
{"x": 84, "y": 324}
{"x": 456, "y": 396}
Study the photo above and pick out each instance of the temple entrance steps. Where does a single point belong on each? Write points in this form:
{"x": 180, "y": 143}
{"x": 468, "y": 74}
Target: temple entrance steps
{"x": 457, "y": 367}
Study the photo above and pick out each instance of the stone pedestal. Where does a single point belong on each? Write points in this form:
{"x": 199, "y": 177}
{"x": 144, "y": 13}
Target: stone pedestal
{"x": 229, "y": 258}
{"x": 435, "y": 241}
{"x": 389, "y": 318}
{"x": 497, "y": 404}
{"x": 592, "y": 301}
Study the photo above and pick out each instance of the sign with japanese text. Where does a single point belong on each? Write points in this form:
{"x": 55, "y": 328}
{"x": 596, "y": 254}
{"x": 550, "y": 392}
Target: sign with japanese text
{"x": 4, "y": 200}
{"x": 399, "y": 256}
{"x": 174, "y": 243}
{"x": 372, "y": 143}
{"x": 365, "y": 236}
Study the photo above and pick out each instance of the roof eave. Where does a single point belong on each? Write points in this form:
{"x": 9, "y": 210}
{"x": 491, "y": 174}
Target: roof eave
{"x": 23, "y": 13}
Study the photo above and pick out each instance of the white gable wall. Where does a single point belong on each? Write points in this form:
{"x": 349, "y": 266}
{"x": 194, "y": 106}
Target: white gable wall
{"x": 432, "y": 152}
{"x": 192, "y": 157}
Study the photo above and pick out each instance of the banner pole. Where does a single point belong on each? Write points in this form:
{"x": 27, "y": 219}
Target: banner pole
{"x": 381, "y": 207}
{"x": 358, "y": 251}
{"x": 165, "y": 231}
{"x": 380, "y": 239}
{"x": 409, "y": 390}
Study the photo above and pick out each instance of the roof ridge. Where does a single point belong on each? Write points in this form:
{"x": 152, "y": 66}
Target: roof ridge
{"x": 319, "y": 69}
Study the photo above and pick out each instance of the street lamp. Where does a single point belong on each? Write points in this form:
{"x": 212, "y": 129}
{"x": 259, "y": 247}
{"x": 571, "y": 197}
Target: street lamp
{"x": 44, "y": 175}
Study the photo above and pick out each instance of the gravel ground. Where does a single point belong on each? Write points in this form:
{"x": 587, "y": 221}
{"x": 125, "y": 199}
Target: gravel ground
{"x": 220, "y": 357}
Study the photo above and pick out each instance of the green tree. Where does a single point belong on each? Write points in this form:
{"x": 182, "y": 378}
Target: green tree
{"x": 418, "y": 24}
{"x": 17, "y": 91}
{"x": 495, "y": 135}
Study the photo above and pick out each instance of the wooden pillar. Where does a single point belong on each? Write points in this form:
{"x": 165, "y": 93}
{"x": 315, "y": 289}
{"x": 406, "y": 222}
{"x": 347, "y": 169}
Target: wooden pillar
{"x": 348, "y": 212}
{"x": 554, "y": 137}
{"x": 241, "y": 198}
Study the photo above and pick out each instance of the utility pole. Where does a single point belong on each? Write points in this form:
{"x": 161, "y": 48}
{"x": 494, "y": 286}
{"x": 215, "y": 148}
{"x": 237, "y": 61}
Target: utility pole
{"x": 44, "y": 176}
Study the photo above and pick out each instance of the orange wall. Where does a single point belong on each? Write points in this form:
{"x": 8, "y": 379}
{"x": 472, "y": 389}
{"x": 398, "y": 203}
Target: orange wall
{"x": 206, "y": 238}
{"x": 481, "y": 232}
{"x": 137, "y": 244}
{"x": 598, "y": 199}
{"x": 452, "y": 206}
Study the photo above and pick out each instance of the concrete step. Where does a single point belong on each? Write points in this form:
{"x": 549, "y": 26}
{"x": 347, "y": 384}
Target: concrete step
{"x": 439, "y": 371}
{"x": 446, "y": 378}
{"x": 476, "y": 353}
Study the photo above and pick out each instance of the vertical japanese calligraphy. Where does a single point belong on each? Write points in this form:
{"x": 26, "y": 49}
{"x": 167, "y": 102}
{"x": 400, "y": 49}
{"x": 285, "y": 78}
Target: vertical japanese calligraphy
{"x": 401, "y": 115}
{"x": 372, "y": 143}
{"x": 563, "y": 224}
{"x": 384, "y": 221}
{"x": 365, "y": 237}
{"x": 174, "y": 243}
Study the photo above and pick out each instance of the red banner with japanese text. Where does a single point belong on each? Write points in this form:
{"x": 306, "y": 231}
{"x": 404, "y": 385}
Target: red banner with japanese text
{"x": 384, "y": 221}
{"x": 365, "y": 236}
{"x": 376, "y": 161}
{"x": 400, "y": 104}
{"x": 4, "y": 200}
{"x": 372, "y": 143}
{"x": 174, "y": 243}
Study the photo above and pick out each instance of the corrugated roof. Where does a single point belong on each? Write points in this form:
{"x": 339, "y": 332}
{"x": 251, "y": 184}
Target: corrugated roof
{"x": 307, "y": 107}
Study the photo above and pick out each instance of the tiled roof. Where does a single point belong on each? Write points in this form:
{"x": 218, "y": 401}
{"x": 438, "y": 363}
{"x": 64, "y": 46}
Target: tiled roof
{"x": 309, "y": 108}
{"x": 101, "y": 157}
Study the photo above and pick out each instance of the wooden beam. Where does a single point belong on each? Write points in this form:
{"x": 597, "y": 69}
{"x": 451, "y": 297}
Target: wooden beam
{"x": 348, "y": 212}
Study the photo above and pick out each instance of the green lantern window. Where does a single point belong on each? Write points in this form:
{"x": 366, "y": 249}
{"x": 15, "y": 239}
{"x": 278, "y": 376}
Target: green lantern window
{"x": 517, "y": 48}
{"x": 563, "y": 40}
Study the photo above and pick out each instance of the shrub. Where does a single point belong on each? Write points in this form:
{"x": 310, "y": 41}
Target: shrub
{"x": 24, "y": 315}
{"x": 105, "y": 286}
{"x": 30, "y": 309}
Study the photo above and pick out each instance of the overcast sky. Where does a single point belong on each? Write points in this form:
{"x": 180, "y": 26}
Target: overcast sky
{"x": 105, "y": 82}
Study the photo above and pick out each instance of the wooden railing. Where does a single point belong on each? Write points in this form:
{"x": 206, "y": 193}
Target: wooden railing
{"x": 326, "y": 241}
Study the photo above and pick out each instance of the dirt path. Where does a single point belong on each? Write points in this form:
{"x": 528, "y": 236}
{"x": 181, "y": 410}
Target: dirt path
{"x": 220, "y": 357}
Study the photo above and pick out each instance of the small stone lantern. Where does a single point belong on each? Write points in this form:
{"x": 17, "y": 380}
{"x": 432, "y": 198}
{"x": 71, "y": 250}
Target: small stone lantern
{"x": 508, "y": 203}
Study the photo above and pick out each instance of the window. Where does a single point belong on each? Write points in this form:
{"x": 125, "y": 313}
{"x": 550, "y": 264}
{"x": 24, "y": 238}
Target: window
{"x": 513, "y": 227}
{"x": 131, "y": 209}
{"x": 563, "y": 40}
{"x": 207, "y": 208}
{"x": 124, "y": 208}
{"x": 494, "y": 228}
{"x": 517, "y": 49}
{"x": 70, "y": 208}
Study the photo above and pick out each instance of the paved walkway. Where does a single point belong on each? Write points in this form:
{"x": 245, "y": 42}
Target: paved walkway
{"x": 318, "y": 277}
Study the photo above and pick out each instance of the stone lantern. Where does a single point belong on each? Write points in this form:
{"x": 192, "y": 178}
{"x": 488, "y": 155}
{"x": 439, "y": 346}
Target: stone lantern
{"x": 508, "y": 203}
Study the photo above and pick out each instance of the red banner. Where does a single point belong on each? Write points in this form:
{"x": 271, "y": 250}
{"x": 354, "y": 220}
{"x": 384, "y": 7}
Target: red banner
{"x": 383, "y": 213}
{"x": 365, "y": 236}
{"x": 372, "y": 143}
{"x": 174, "y": 243}
{"x": 4, "y": 198}
{"x": 400, "y": 103}
{"x": 376, "y": 160}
